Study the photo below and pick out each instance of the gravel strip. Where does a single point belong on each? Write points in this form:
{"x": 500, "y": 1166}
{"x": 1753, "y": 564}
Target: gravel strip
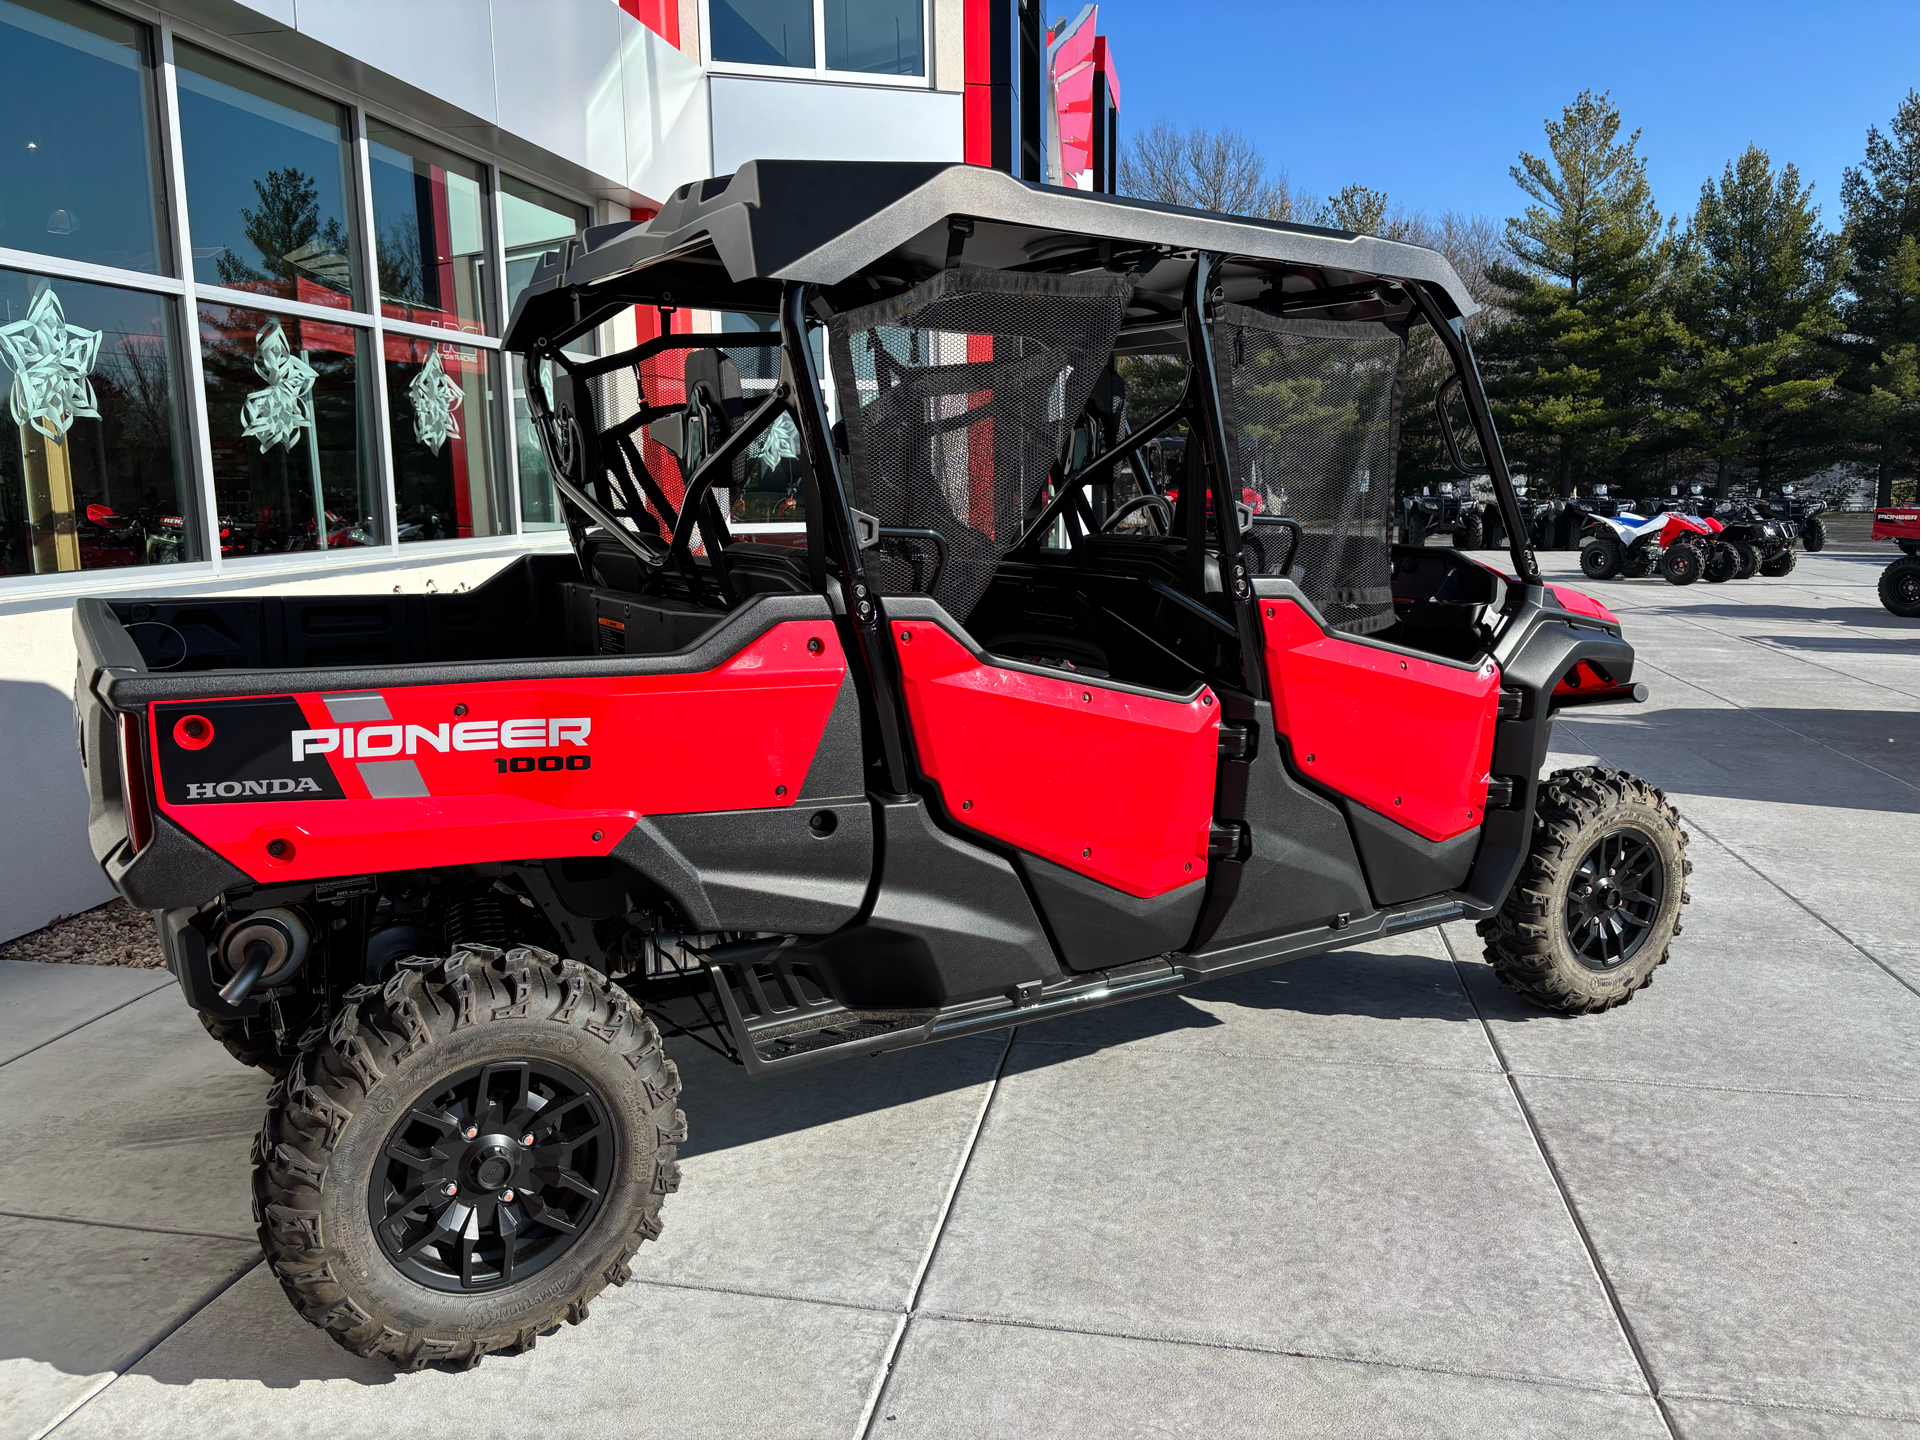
{"x": 111, "y": 935}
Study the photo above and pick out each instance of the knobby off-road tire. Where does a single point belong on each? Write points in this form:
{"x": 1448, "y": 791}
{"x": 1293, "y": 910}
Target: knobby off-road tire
{"x": 1781, "y": 562}
{"x": 1814, "y": 533}
{"x": 437, "y": 1068}
{"x": 1900, "y": 586}
{"x": 251, "y": 1048}
{"x": 1681, "y": 564}
{"x": 1469, "y": 534}
{"x": 1750, "y": 559}
{"x": 1601, "y": 839}
{"x": 1601, "y": 557}
{"x": 1724, "y": 563}
{"x": 1638, "y": 561}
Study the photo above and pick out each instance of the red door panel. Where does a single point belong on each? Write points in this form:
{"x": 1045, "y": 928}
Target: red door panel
{"x": 1114, "y": 785}
{"x": 1406, "y": 737}
{"x": 493, "y": 771}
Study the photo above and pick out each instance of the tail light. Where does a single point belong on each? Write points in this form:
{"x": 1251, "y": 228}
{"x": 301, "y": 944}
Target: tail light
{"x": 133, "y": 782}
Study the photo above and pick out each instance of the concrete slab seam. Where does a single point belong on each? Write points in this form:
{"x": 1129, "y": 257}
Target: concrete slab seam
{"x": 1252, "y": 1348}
{"x": 1567, "y": 1201}
{"x": 714, "y": 1288}
{"x": 123, "y": 1226}
{"x": 202, "y": 1304}
{"x": 1870, "y": 1097}
{"x": 1694, "y": 826}
{"x": 1815, "y": 1407}
{"x": 1779, "y": 651}
{"x": 1293, "y": 1057}
{"x": 933, "y": 1246}
{"x": 167, "y": 979}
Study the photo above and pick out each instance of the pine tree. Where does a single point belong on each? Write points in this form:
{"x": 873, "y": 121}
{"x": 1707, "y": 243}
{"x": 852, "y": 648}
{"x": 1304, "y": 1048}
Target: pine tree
{"x": 1573, "y": 373}
{"x": 1879, "y": 375}
{"x": 1758, "y": 282}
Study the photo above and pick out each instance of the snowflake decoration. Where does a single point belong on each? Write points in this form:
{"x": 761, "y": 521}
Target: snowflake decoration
{"x": 277, "y": 414}
{"x": 436, "y": 397}
{"x": 780, "y": 441}
{"x": 51, "y": 361}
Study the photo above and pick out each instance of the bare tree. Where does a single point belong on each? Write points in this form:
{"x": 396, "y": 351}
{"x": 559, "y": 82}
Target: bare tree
{"x": 1209, "y": 169}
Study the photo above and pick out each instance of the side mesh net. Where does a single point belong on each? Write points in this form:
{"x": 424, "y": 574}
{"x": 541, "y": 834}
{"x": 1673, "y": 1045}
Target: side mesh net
{"x": 958, "y": 396}
{"x": 1313, "y": 421}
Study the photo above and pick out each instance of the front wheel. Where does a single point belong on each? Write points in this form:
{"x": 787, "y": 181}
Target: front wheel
{"x": 467, "y": 1156}
{"x": 1601, "y": 558}
{"x": 1780, "y": 563}
{"x": 1599, "y": 897}
{"x": 1469, "y": 534}
{"x": 1638, "y": 561}
{"x": 1750, "y": 559}
{"x": 1814, "y": 533}
{"x": 1681, "y": 564}
{"x": 1901, "y": 586}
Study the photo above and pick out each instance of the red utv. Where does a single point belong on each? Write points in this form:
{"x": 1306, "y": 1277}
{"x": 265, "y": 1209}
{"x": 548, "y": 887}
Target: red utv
{"x": 1009, "y": 727}
{"x": 1900, "y": 585}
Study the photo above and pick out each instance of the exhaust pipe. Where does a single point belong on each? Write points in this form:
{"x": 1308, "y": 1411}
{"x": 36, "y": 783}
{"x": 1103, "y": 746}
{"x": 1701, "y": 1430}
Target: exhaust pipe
{"x": 264, "y": 947}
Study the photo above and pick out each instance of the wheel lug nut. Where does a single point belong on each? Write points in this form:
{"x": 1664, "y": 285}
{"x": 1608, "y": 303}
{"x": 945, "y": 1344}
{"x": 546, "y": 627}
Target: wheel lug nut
{"x": 452, "y": 1189}
{"x": 528, "y": 1139}
{"x": 507, "y": 1195}
{"x": 471, "y": 1132}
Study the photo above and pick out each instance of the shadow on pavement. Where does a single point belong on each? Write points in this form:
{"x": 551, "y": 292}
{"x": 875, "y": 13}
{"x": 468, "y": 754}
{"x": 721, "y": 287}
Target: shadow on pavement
{"x": 1769, "y": 753}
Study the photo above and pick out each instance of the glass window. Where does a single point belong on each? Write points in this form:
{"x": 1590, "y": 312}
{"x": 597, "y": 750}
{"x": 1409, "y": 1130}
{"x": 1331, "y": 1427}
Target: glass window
{"x": 763, "y": 32}
{"x": 539, "y": 506}
{"x": 77, "y": 158}
{"x": 440, "y": 410}
{"x": 267, "y": 183}
{"x": 878, "y": 37}
{"x": 93, "y": 468}
{"x": 430, "y": 232}
{"x": 533, "y": 221}
{"x": 292, "y": 461}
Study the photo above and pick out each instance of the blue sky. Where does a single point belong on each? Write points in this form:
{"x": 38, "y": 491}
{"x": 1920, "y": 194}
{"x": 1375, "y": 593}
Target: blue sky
{"x": 1432, "y": 101}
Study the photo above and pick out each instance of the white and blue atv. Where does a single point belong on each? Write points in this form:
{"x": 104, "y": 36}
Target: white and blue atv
{"x": 1685, "y": 548}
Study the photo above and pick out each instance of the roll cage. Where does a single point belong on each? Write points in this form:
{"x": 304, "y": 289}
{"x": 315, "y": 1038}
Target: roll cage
{"x": 807, "y": 241}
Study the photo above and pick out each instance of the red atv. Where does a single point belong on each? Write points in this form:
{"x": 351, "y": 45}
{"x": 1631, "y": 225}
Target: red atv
{"x": 1901, "y": 581}
{"x": 970, "y": 749}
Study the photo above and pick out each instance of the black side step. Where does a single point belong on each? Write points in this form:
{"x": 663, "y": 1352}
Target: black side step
{"x": 785, "y": 1024}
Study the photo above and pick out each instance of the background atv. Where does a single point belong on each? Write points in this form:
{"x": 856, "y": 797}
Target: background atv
{"x": 456, "y": 865}
{"x": 1900, "y": 585}
{"x": 1761, "y": 545}
{"x": 1801, "y": 512}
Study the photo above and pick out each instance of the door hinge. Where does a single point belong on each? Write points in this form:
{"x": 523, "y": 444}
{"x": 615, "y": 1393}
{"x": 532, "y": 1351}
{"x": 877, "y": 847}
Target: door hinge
{"x": 1501, "y": 791}
{"x": 1226, "y": 840}
{"x": 1511, "y": 704}
{"x": 1237, "y": 741}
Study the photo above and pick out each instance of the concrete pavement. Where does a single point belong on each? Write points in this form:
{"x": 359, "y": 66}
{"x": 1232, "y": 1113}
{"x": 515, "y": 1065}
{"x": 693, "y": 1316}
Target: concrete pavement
{"x": 1364, "y": 1194}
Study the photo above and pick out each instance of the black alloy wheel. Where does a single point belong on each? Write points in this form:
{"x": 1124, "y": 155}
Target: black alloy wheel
{"x": 1614, "y": 900}
{"x": 492, "y": 1175}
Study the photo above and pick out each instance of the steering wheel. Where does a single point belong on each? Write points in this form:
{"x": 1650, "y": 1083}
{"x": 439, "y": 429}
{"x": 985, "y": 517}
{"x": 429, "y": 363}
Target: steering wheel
{"x": 1140, "y": 502}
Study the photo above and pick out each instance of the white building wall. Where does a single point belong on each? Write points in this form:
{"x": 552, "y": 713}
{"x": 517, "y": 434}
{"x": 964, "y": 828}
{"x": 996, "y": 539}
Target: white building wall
{"x": 756, "y": 118}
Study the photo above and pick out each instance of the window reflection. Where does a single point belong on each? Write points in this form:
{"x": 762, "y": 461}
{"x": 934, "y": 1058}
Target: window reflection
{"x": 291, "y": 459}
{"x": 763, "y": 32}
{"x": 267, "y": 183}
{"x": 440, "y": 407}
{"x": 532, "y": 222}
{"x": 96, "y": 476}
{"x": 877, "y": 37}
{"x": 430, "y": 232}
{"x": 77, "y": 171}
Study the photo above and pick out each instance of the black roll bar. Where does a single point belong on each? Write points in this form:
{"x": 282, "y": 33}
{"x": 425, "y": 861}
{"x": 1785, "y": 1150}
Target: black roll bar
{"x": 1065, "y": 490}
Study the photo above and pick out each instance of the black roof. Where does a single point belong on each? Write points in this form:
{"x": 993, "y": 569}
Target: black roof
{"x": 853, "y": 226}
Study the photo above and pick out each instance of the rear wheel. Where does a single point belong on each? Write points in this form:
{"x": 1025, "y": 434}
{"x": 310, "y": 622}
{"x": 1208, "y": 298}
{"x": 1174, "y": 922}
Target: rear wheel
{"x": 1901, "y": 586}
{"x": 1468, "y": 534}
{"x": 1601, "y": 557}
{"x": 1599, "y": 897}
{"x": 1681, "y": 564}
{"x": 467, "y": 1156}
{"x": 1724, "y": 563}
{"x": 252, "y": 1043}
{"x": 1814, "y": 533}
{"x": 1780, "y": 563}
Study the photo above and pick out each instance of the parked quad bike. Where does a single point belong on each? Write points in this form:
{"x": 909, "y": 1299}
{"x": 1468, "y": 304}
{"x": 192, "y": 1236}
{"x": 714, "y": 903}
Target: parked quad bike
{"x": 854, "y": 791}
{"x": 1900, "y": 584}
{"x": 1802, "y": 514}
{"x": 1682, "y": 548}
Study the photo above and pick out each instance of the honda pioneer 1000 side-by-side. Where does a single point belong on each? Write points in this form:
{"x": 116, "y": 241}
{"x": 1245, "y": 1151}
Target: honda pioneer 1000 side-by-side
{"x": 1004, "y": 727}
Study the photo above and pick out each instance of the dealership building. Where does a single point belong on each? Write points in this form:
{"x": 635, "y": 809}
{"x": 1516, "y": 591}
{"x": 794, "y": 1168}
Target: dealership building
{"x": 255, "y": 261}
